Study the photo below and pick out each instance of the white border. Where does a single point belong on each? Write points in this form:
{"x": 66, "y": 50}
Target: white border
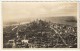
{"x": 57, "y": 49}
{"x": 78, "y": 24}
{"x": 46, "y": 0}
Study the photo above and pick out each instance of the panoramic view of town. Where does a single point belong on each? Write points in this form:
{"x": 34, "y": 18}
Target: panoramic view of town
{"x": 39, "y": 25}
{"x": 40, "y": 34}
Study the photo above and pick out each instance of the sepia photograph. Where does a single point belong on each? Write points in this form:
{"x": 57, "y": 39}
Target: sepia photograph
{"x": 39, "y": 24}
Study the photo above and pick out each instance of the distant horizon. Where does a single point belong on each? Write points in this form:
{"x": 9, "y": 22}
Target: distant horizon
{"x": 61, "y": 20}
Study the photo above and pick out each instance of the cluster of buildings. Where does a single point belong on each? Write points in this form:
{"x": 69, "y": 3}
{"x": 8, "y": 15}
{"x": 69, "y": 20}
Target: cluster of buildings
{"x": 42, "y": 34}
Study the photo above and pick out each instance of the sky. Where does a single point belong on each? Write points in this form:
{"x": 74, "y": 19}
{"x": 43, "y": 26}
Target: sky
{"x": 12, "y": 11}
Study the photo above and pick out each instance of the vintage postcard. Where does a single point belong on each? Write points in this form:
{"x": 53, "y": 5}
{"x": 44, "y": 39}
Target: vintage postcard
{"x": 39, "y": 24}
